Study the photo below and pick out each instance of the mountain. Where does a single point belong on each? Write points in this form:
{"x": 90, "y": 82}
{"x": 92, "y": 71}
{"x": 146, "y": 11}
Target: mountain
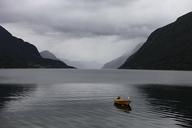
{"x": 77, "y": 64}
{"x": 48, "y": 55}
{"x": 167, "y": 48}
{"x": 16, "y": 53}
{"x": 116, "y": 63}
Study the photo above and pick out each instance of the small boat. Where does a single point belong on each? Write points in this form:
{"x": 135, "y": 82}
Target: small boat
{"x": 122, "y": 102}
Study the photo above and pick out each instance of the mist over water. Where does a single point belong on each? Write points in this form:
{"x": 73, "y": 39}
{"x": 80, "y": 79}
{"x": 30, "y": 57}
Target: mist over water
{"x": 84, "y": 98}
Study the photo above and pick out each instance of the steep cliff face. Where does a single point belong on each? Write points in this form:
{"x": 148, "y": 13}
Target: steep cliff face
{"x": 169, "y": 47}
{"x": 15, "y": 48}
{"x": 16, "y": 53}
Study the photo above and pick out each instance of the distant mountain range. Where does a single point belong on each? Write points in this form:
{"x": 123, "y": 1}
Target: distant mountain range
{"x": 78, "y": 64}
{"x": 167, "y": 48}
{"x": 83, "y": 64}
{"x": 48, "y": 55}
{"x": 116, "y": 63}
{"x": 16, "y": 53}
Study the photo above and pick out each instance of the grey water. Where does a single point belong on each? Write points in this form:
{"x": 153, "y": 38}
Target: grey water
{"x": 55, "y": 98}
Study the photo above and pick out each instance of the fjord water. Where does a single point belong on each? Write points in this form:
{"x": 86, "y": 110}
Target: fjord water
{"x": 52, "y": 98}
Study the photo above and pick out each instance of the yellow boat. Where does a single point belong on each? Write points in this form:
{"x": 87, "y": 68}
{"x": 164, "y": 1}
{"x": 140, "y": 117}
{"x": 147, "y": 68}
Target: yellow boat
{"x": 121, "y": 101}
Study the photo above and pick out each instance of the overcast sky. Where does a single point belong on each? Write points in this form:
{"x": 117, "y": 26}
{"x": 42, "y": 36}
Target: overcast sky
{"x": 92, "y": 31}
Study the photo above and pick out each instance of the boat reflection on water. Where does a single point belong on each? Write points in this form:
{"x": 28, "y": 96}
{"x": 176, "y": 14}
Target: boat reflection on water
{"x": 126, "y": 108}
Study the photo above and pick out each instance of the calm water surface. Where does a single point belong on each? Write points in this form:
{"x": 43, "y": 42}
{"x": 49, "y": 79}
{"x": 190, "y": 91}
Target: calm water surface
{"x": 84, "y": 99}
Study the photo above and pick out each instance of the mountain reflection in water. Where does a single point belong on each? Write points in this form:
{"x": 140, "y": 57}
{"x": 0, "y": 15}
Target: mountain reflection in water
{"x": 170, "y": 102}
{"x": 13, "y": 92}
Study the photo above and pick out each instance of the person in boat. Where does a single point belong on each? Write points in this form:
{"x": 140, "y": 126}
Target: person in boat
{"x": 118, "y": 97}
